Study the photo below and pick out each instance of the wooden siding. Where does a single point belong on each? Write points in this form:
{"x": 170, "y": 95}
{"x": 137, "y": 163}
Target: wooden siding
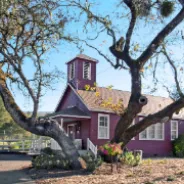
{"x": 79, "y": 74}
{"x": 71, "y": 99}
{"x": 149, "y": 147}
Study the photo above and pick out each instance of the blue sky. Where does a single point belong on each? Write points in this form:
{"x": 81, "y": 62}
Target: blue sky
{"x": 106, "y": 75}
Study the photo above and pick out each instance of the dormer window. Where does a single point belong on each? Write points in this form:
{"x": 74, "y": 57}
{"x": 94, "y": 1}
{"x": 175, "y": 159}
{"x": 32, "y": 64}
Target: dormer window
{"x": 71, "y": 71}
{"x": 87, "y": 70}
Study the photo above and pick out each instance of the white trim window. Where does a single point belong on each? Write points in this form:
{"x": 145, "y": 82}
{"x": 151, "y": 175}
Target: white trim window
{"x": 103, "y": 126}
{"x": 153, "y": 132}
{"x": 71, "y": 71}
{"x": 87, "y": 70}
{"x": 174, "y": 129}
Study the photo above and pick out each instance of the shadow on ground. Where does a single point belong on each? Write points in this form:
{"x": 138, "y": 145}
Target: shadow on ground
{"x": 55, "y": 173}
{"x": 15, "y": 177}
{"x": 14, "y": 157}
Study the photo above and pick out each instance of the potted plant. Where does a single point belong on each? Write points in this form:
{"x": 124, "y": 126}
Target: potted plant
{"x": 110, "y": 152}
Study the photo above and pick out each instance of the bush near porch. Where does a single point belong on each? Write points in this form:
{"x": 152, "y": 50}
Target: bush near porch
{"x": 178, "y": 146}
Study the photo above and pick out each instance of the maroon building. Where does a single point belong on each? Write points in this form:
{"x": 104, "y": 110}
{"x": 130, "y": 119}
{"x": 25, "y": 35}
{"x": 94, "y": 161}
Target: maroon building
{"x": 83, "y": 117}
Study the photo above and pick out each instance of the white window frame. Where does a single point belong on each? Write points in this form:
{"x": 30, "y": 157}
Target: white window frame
{"x": 89, "y": 70}
{"x": 174, "y": 130}
{"x": 147, "y": 133}
{"x": 108, "y": 125}
{"x": 70, "y": 71}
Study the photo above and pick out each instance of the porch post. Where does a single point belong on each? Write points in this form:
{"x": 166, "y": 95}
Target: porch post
{"x": 62, "y": 123}
{"x": 87, "y": 143}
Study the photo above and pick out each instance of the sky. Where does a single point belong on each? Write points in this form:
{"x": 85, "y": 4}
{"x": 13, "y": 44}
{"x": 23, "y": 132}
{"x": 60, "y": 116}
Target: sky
{"x": 106, "y": 75}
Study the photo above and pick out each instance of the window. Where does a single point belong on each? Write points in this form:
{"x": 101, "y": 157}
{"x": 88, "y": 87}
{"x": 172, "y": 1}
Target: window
{"x": 72, "y": 71}
{"x": 87, "y": 70}
{"x": 153, "y": 132}
{"x": 103, "y": 126}
{"x": 174, "y": 129}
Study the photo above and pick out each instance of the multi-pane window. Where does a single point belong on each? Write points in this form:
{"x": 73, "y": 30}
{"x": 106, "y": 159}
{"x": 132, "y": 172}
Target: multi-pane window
{"x": 87, "y": 70}
{"x": 153, "y": 132}
{"x": 174, "y": 129}
{"x": 103, "y": 126}
{"x": 72, "y": 71}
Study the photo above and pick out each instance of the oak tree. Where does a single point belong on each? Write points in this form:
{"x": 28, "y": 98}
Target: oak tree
{"x": 130, "y": 53}
{"x": 28, "y": 29}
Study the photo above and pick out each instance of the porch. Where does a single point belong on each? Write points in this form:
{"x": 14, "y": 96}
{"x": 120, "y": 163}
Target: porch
{"x": 76, "y": 124}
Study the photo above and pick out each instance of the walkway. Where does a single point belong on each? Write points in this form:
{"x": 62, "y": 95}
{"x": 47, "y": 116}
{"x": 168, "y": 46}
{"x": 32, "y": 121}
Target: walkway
{"x": 12, "y": 169}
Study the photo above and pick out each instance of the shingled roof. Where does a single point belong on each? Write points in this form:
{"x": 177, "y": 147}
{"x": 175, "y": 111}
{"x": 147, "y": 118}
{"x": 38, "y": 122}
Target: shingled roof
{"x": 155, "y": 103}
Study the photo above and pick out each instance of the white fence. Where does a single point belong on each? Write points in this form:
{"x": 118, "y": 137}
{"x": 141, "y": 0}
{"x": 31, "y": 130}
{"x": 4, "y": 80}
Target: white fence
{"x": 55, "y": 145}
{"x": 92, "y": 147}
{"x": 37, "y": 145}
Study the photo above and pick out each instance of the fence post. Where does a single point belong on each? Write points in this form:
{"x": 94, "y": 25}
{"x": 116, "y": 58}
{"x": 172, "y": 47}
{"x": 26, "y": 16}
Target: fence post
{"x": 23, "y": 145}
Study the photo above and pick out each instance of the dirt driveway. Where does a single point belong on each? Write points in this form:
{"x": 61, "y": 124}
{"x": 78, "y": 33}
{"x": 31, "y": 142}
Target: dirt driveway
{"x": 12, "y": 169}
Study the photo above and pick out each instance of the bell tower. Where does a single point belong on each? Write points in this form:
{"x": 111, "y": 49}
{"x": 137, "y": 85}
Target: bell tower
{"x": 81, "y": 71}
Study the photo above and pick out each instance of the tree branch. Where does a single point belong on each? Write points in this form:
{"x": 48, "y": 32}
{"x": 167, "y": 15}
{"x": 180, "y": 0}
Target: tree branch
{"x": 175, "y": 73}
{"x": 131, "y": 25}
{"x": 160, "y": 38}
{"x": 165, "y": 113}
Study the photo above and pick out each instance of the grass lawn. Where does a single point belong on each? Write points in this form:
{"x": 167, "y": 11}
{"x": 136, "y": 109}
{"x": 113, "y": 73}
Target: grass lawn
{"x": 150, "y": 171}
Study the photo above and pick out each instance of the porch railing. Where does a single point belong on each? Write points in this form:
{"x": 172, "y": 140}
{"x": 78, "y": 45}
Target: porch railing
{"x": 92, "y": 147}
{"x": 55, "y": 145}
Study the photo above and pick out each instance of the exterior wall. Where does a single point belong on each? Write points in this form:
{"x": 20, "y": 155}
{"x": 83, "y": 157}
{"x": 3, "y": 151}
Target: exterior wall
{"x": 94, "y": 128}
{"x": 85, "y": 132}
{"x": 71, "y": 99}
{"x": 154, "y": 147}
{"x": 78, "y": 82}
{"x": 83, "y": 128}
{"x": 149, "y": 147}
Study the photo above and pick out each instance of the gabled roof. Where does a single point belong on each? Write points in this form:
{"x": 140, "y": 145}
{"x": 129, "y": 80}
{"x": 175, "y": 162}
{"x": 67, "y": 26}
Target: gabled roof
{"x": 89, "y": 99}
{"x": 155, "y": 103}
{"x": 83, "y": 56}
{"x": 70, "y": 112}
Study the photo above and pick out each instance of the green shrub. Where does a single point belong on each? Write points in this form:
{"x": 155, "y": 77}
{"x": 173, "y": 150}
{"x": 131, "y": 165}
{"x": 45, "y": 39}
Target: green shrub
{"x": 149, "y": 182}
{"x": 147, "y": 162}
{"x": 91, "y": 162}
{"x": 45, "y": 161}
{"x": 129, "y": 158}
{"x": 47, "y": 151}
{"x": 171, "y": 178}
{"x": 178, "y": 146}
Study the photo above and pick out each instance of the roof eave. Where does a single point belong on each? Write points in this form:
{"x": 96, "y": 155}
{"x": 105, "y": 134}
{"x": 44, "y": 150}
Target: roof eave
{"x": 70, "y": 116}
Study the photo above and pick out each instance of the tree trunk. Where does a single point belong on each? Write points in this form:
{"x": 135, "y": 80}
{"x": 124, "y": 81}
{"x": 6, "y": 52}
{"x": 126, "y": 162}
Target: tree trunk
{"x": 42, "y": 127}
{"x": 134, "y": 106}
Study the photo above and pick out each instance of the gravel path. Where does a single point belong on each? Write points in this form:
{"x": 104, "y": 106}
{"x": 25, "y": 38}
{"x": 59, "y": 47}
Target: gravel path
{"x": 13, "y": 169}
